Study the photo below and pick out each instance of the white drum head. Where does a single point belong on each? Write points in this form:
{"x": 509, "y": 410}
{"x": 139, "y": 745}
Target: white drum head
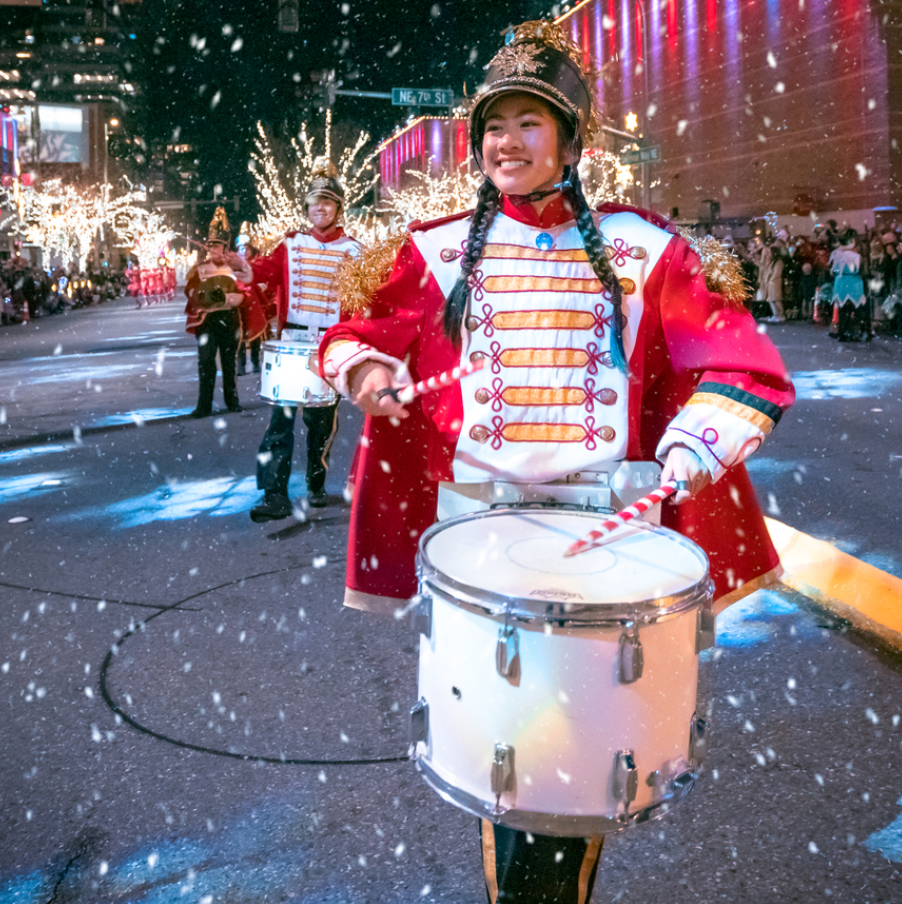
{"x": 520, "y": 555}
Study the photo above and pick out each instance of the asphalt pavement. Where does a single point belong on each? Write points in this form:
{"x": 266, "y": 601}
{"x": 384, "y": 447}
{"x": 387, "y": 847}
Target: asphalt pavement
{"x": 190, "y": 715}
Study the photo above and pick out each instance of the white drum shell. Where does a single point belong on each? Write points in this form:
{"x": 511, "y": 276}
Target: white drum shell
{"x": 287, "y": 379}
{"x": 567, "y": 715}
{"x": 567, "y": 719}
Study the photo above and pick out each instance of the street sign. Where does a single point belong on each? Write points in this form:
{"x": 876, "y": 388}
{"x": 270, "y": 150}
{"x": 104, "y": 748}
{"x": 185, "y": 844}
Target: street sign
{"x": 650, "y": 154}
{"x": 422, "y": 97}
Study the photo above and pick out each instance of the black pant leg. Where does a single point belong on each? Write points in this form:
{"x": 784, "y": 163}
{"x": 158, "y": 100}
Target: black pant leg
{"x": 521, "y": 868}
{"x": 230, "y": 333}
{"x": 276, "y": 450}
{"x": 206, "y": 365}
{"x": 321, "y": 424}
{"x": 847, "y": 321}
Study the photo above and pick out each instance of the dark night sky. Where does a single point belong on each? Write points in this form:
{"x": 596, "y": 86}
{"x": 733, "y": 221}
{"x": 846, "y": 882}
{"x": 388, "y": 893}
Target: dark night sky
{"x": 372, "y": 45}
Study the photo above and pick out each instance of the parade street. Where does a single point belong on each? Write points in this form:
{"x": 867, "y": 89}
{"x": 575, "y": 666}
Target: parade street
{"x": 190, "y": 715}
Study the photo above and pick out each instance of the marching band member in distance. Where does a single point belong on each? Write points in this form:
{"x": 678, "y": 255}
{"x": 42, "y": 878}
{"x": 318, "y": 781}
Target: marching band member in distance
{"x": 301, "y": 270}
{"x": 212, "y": 315}
{"x": 602, "y": 343}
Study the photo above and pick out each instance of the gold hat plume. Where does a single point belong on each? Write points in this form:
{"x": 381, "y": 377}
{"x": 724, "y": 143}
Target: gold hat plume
{"x": 323, "y": 166}
{"x": 516, "y": 58}
{"x": 218, "y": 230}
{"x": 543, "y": 31}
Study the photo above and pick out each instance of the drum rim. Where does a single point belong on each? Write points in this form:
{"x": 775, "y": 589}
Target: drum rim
{"x": 556, "y": 825}
{"x": 500, "y": 605}
{"x": 290, "y": 347}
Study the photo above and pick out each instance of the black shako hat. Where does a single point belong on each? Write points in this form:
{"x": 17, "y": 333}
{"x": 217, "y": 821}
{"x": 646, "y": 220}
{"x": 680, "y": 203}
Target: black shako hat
{"x": 540, "y": 59}
{"x": 324, "y": 182}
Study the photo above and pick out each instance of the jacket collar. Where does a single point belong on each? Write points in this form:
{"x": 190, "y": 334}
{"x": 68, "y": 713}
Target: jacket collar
{"x": 556, "y": 212}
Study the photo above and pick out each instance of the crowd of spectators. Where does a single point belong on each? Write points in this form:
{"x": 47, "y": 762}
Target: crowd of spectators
{"x": 798, "y": 277}
{"x": 28, "y": 291}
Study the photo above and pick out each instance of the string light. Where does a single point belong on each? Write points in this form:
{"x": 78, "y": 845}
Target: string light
{"x": 72, "y": 221}
{"x": 281, "y": 190}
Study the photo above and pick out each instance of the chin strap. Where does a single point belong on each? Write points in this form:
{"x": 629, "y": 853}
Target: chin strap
{"x": 563, "y": 185}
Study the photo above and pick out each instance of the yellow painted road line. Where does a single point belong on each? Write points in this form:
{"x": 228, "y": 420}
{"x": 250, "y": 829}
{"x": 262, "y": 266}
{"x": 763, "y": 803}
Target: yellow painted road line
{"x": 869, "y": 598}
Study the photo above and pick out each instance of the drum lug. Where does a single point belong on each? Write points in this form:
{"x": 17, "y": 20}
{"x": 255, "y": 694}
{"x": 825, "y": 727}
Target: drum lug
{"x": 421, "y": 615}
{"x": 632, "y": 659}
{"x": 705, "y": 630}
{"x": 419, "y": 724}
{"x": 502, "y": 772}
{"x": 507, "y": 652}
{"x": 626, "y": 778}
{"x": 698, "y": 740}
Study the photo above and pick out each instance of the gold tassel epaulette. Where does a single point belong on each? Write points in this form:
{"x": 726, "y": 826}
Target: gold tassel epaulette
{"x": 359, "y": 278}
{"x": 723, "y": 270}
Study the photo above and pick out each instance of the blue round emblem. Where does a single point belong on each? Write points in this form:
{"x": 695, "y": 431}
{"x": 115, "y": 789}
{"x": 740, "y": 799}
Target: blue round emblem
{"x": 544, "y": 241}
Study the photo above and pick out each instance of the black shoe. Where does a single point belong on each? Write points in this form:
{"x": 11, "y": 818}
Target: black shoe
{"x": 241, "y": 369}
{"x": 272, "y": 507}
{"x": 200, "y": 412}
{"x": 234, "y": 409}
{"x": 317, "y": 499}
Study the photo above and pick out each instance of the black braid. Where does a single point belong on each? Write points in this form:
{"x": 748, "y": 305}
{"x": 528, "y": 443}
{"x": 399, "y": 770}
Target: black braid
{"x": 601, "y": 265}
{"x": 488, "y": 203}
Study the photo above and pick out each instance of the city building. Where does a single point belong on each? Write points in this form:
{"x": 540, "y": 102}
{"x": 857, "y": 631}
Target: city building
{"x": 738, "y": 107}
{"x": 755, "y": 105}
{"x": 65, "y": 79}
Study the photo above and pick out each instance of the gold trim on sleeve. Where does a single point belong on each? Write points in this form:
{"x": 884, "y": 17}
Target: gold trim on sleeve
{"x": 753, "y": 416}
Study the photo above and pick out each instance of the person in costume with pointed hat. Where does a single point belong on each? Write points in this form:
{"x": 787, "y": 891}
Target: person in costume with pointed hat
{"x": 301, "y": 270}
{"x": 603, "y": 342}
{"x": 214, "y": 298}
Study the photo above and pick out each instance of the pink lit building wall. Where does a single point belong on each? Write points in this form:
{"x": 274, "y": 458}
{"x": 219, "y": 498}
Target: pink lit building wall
{"x": 757, "y": 104}
{"x": 429, "y": 144}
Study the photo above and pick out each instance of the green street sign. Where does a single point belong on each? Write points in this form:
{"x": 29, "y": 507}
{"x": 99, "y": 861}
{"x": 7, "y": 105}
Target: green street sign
{"x": 650, "y": 154}
{"x": 422, "y": 97}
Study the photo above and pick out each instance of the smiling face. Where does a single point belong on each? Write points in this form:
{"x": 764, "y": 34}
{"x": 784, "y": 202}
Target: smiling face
{"x": 521, "y": 145}
{"x": 322, "y": 211}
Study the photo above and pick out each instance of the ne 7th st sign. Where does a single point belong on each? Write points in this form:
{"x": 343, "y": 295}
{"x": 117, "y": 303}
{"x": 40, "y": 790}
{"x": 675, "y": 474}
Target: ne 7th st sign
{"x": 422, "y": 97}
{"x": 650, "y": 154}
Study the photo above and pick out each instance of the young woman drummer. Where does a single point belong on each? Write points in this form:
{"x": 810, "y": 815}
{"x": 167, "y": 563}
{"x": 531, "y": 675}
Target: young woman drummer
{"x": 602, "y": 343}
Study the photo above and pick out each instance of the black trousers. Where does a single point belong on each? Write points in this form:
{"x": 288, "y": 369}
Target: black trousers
{"x": 255, "y": 352}
{"x": 854, "y": 322}
{"x": 521, "y": 868}
{"x": 277, "y": 448}
{"x": 219, "y": 332}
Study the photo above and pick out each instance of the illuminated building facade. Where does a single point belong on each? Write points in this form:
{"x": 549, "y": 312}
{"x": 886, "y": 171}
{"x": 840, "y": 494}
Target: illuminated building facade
{"x": 65, "y": 77}
{"x": 793, "y": 106}
{"x": 429, "y": 144}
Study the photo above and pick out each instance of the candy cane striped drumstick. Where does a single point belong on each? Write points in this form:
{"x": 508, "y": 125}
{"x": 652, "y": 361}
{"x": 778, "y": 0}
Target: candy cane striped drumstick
{"x": 409, "y": 393}
{"x": 631, "y": 511}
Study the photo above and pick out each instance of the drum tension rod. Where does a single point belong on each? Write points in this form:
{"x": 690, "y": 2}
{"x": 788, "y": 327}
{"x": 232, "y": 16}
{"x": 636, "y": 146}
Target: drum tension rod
{"x": 626, "y": 778}
{"x": 502, "y": 773}
{"x": 507, "y": 651}
{"x": 632, "y": 657}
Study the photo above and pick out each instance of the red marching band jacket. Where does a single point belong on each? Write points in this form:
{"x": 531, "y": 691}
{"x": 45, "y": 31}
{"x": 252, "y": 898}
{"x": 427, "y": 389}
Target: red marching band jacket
{"x": 700, "y": 374}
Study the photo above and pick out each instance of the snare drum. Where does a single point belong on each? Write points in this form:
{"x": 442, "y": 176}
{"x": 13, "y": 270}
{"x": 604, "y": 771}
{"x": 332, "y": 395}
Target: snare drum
{"x": 558, "y": 696}
{"x": 289, "y": 375}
